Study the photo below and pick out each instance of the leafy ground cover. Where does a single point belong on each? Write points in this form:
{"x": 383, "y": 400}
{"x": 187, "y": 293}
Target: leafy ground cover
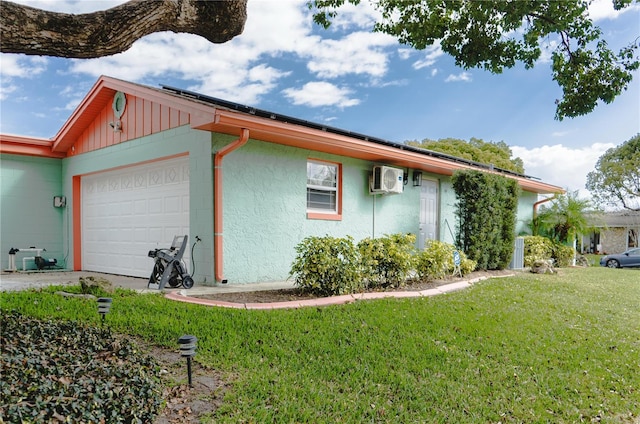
{"x": 529, "y": 348}
{"x": 56, "y": 371}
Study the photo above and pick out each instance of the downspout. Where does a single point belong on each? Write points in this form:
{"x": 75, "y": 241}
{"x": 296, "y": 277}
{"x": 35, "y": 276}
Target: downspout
{"x": 217, "y": 201}
{"x": 539, "y": 202}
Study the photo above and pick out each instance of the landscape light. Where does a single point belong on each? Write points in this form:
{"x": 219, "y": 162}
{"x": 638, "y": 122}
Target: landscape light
{"x": 104, "y": 305}
{"x": 188, "y": 349}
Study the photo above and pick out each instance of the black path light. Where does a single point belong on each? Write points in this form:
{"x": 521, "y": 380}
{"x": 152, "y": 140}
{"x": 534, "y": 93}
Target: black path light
{"x": 188, "y": 349}
{"x": 104, "y": 305}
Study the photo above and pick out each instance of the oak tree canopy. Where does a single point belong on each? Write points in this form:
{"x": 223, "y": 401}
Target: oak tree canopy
{"x": 498, "y": 154}
{"x": 616, "y": 178}
{"x": 498, "y": 34}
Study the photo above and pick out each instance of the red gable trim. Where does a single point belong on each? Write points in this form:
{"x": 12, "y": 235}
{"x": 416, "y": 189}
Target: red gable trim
{"x": 19, "y": 145}
{"x": 102, "y": 94}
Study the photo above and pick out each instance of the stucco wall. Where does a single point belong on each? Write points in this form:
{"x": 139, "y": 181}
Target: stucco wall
{"x": 265, "y": 209}
{"x": 165, "y": 144}
{"x": 28, "y": 185}
{"x": 525, "y": 212}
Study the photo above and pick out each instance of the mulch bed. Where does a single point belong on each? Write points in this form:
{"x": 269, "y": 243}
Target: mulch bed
{"x": 295, "y": 294}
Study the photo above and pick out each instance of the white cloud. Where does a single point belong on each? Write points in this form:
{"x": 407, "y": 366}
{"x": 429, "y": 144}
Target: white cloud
{"x": 432, "y": 54}
{"x": 363, "y": 15}
{"x": 560, "y": 165}
{"x": 463, "y": 76}
{"x": 321, "y": 93}
{"x": 6, "y": 90}
{"x": 404, "y": 53}
{"x": 360, "y": 53}
{"x": 236, "y": 70}
{"x": 15, "y": 66}
{"x": 603, "y": 9}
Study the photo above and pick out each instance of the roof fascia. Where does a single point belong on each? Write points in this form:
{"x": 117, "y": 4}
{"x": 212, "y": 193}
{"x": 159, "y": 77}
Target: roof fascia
{"x": 19, "y": 145}
{"x": 231, "y": 122}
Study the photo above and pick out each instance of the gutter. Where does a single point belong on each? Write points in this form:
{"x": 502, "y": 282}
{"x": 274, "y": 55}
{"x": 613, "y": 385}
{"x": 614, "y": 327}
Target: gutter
{"x": 217, "y": 202}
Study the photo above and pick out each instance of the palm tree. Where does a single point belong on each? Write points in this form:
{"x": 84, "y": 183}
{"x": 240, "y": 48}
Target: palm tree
{"x": 565, "y": 219}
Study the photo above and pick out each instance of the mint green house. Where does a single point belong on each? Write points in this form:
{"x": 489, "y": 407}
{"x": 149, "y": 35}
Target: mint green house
{"x": 134, "y": 165}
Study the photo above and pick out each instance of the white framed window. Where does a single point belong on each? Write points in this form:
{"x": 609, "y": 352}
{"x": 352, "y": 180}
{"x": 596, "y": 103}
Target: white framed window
{"x": 323, "y": 189}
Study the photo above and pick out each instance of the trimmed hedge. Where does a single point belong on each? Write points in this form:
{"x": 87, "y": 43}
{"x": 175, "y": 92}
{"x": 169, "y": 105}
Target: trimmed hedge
{"x": 332, "y": 266}
{"x": 486, "y": 217}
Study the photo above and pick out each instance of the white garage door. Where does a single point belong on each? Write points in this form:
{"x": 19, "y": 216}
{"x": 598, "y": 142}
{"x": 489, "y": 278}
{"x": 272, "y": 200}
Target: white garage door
{"x": 129, "y": 211}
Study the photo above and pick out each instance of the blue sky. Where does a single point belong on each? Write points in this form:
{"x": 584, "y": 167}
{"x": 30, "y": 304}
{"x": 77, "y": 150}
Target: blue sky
{"x": 346, "y": 77}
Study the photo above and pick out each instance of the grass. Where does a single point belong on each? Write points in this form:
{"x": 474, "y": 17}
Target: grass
{"x": 530, "y": 348}
{"x": 594, "y": 259}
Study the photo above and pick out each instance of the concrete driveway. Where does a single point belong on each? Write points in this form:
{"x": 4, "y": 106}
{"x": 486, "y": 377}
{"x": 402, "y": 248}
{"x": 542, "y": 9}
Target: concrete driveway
{"x": 11, "y": 281}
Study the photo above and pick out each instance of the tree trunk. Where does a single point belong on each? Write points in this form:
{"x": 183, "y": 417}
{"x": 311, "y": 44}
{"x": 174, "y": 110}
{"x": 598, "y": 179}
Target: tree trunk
{"x": 24, "y": 29}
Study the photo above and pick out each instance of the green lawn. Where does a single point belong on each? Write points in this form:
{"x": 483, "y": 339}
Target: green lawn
{"x": 530, "y": 348}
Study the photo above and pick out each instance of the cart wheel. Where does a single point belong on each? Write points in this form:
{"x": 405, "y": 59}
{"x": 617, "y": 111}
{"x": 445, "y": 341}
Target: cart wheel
{"x": 187, "y": 282}
{"x": 174, "y": 279}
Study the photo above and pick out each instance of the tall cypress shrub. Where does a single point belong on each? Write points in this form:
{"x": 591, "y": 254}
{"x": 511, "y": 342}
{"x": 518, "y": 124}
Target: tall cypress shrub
{"x": 486, "y": 214}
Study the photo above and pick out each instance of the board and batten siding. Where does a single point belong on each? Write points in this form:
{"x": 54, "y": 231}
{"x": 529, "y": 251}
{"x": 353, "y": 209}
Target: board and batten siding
{"x": 141, "y": 118}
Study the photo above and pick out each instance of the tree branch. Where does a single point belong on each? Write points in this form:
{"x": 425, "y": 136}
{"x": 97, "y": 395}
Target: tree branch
{"x": 31, "y": 31}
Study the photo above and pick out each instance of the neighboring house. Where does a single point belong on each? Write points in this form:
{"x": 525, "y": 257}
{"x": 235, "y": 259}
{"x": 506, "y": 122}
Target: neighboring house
{"x": 134, "y": 165}
{"x": 614, "y": 232}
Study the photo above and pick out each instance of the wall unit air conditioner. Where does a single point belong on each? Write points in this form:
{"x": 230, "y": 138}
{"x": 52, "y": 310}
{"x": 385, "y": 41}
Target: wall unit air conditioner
{"x": 387, "y": 180}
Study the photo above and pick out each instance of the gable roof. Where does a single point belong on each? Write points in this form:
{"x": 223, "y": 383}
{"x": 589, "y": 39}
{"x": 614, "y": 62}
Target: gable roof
{"x": 217, "y": 115}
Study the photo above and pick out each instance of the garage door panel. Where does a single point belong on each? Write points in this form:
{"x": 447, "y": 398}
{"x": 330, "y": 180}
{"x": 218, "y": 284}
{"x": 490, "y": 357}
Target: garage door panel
{"x": 127, "y": 212}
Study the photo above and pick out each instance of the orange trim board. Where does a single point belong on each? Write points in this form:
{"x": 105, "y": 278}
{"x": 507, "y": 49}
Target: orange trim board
{"x": 77, "y": 223}
{"x": 27, "y": 146}
{"x": 324, "y": 216}
{"x": 308, "y": 138}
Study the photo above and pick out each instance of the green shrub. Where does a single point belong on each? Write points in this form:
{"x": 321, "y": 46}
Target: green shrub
{"x": 541, "y": 248}
{"x": 327, "y": 266}
{"x": 467, "y": 265}
{"x": 537, "y": 248}
{"x": 563, "y": 255}
{"x": 436, "y": 261}
{"x": 387, "y": 261}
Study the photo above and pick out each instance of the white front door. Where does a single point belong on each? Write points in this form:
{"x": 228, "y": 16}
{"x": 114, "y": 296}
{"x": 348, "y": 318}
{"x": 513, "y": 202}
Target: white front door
{"x": 127, "y": 212}
{"x": 428, "y": 212}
